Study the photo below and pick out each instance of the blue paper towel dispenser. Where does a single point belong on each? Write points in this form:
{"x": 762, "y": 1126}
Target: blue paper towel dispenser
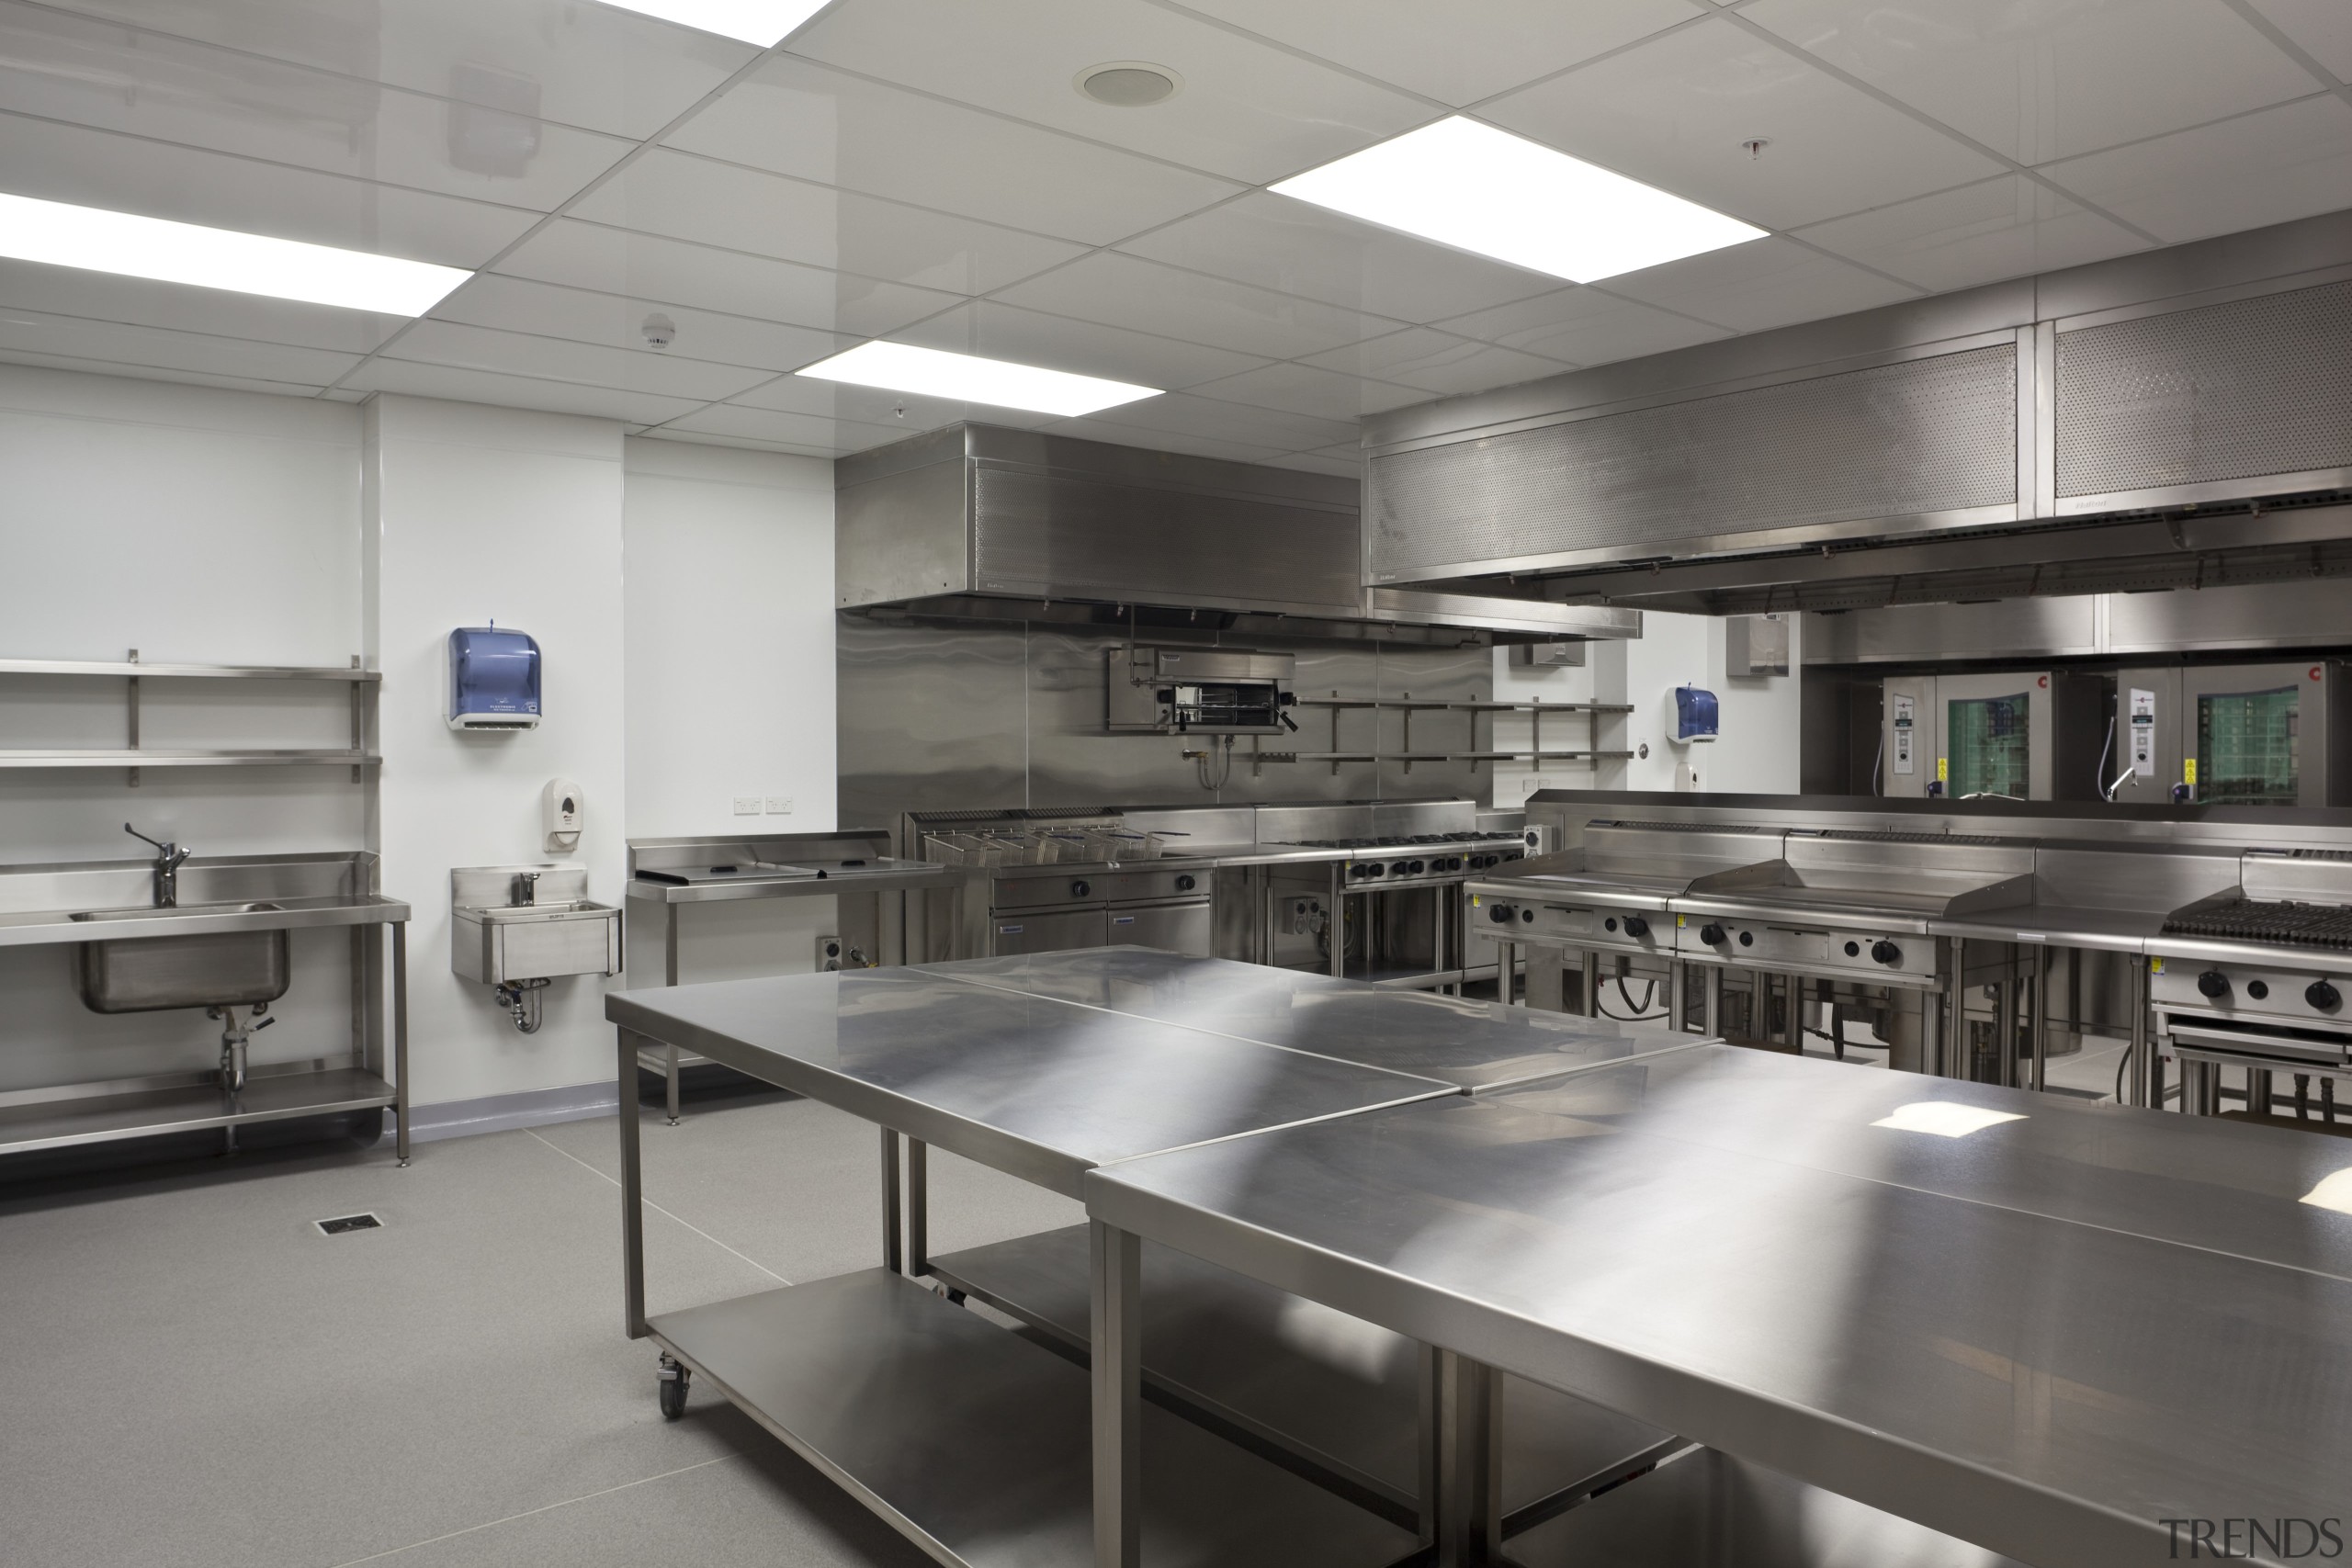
{"x": 493, "y": 679}
{"x": 1696, "y": 714}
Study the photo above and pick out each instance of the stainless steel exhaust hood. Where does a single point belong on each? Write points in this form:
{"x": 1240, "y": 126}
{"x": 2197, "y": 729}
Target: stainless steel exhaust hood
{"x": 978, "y": 522}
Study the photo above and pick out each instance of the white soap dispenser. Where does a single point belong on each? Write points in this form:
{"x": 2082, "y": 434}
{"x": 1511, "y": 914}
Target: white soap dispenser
{"x": 562, "y": 811}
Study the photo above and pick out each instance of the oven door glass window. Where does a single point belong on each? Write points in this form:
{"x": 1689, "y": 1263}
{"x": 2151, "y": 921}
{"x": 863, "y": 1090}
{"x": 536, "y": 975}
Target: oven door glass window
{"x": 2247, "y": 748}
{"x": 1992, "y": 746}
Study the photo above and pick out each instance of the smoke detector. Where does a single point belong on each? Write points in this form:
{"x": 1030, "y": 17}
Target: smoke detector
{"x": 1128, "y": 84}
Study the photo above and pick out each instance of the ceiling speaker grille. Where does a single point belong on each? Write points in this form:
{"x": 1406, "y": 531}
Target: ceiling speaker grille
{"x": 2233, "y": 391}
{"x": 1923, "y": 435}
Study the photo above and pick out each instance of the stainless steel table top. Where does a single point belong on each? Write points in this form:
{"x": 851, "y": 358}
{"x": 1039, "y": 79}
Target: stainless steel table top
{"x": 2049, "y": 1387}
{"x": 2059, "y": 925}
{"x": 1475, "y": 1046}
{"x": 1035, "y": 1086}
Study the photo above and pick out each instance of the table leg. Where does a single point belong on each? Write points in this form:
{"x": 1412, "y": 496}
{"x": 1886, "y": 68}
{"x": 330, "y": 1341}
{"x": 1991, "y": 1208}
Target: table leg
{"x": 632, "y": 1193}
{"x": 1116, "y": 1291}
{"x": 1426, "y": 1359}
{"x": 671, "y": 1065}
{"x": 918, "y": 1207}
{"x": 1469, "y": 1507}
{"x": 2038, "y": 1020}
{"x": 1506, "y": 970}
{"x": 1711, "y": 990}
{"x": 893, "y": 1255}
{"x": 1591, "y": 984}
{"x": 399, "y": 1039}
{"x": 2141, "y": 1090}
{"x": 670, "y": 948}
{"x": 1676, "y": 1007}
{"x": 1957, "y": 1049}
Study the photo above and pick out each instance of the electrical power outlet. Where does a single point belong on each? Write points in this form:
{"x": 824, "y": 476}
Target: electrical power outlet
{"x": 779, "y": 805}
{"x": 828, "y": 953}
{"x": 747, "y": 805}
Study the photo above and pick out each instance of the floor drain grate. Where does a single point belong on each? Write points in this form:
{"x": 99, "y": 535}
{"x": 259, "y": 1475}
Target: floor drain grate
{"x": 348, "y": 1223}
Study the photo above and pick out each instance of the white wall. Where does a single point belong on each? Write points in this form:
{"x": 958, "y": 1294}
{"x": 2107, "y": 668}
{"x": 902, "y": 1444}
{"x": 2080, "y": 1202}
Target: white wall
{"x": 192, "y": 524}
{"x": 216, "y": 527}
{"x": 477, "y": 514}
{"x": 728, "y": 555}
{"x": 1758, "y": 752}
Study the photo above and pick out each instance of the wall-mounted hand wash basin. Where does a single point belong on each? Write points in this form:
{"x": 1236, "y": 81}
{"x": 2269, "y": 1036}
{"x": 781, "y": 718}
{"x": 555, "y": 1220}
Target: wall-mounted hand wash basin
{"x": 150, "y": 974}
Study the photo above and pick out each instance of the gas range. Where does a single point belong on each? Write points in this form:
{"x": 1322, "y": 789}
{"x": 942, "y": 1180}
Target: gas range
{"x": 1419, "y": 857}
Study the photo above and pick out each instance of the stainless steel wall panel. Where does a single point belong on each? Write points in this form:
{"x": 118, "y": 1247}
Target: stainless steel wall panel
{"x": 1932, "y": 434}
{"x": 2251, "y": 388}
{"x": 929, "y": 719}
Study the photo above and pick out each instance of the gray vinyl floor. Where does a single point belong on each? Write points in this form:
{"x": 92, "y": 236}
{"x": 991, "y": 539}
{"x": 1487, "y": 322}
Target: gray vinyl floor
{"x": 190, "y": 1374}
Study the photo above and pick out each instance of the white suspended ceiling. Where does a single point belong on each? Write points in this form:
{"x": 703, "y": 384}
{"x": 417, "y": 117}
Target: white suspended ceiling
{"x": 927, "y": 170}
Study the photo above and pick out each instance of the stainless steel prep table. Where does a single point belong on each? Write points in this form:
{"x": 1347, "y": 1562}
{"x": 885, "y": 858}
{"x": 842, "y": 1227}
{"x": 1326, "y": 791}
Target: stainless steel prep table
{"x": 670, "y": 873}
{"x": 2047, "y": 1336}
{"x": 966, "y": 1438}
{"x": 1344, "y": 1397}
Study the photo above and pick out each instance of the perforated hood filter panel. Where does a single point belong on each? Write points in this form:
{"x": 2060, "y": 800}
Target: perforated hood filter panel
{"x": 1918, "y": 436}
{"x": 2219, "y": 392}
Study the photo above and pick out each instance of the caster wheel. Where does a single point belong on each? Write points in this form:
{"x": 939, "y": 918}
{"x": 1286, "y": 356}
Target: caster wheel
{"x": 672, "y": 1389}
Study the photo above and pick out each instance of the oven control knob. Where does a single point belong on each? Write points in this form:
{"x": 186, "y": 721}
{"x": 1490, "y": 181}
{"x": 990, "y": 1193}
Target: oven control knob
{"x": 1080, "y": 890}
{"x": 2322, "y": 996}
{"x": 1414, "y": 866}
{"x": 1609, "y": 924}
{"x": 1885, "y": 951}
{"x": 1711, "y": 934}
{"x": 1528, "y": 915}
{"x": 1636, "y": 927}
{"x": 1399, "y": 868}
{"x": 1499, "y": 914}
{"x": 2213, "y": 985}
{"x": 1185, "y": 884}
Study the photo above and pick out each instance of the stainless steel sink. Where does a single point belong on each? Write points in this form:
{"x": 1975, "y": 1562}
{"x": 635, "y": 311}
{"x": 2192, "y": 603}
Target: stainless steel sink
{"x": 150, "y": 974}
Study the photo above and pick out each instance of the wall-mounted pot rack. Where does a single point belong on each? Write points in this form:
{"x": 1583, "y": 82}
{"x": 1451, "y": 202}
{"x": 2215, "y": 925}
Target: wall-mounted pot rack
{"x": 1409, "y": 704}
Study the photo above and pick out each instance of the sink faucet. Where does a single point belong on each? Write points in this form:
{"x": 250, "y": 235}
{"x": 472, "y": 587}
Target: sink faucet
{"x": 167, "y": 868}
{"x": 526, "y": 890}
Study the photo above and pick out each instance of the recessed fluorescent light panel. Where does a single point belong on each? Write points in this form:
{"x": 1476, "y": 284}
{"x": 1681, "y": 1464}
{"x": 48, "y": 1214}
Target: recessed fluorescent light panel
{"x": 763, "y": 22}
{"x": 65, "y": 235}
{"x": 1945, "y": 1118}
{"x": 1476, "y": 188}
{"x": 900, "y": 367}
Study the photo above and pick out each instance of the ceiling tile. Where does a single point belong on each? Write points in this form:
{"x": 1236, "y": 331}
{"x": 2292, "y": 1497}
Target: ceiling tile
{"x": 127, "y": 173}
{"x": 156, "y": 373}
{"x": 562, "y": 359}
{"x": 1673, "y": 113}
{"x": 1246, "y": 110}
{"x": 690, "y": 198}
{"x": 1584, "y": 326}
{"x": 2042, "y": 79}
{"x": 1348, "y": 467}
{"x": 1186, "y": 413}
{"x": 647, "y": 266}
{"x": 2322, "y": 28}
{"x": 2008, "y": 227}
{"x": 96, "y": 73}
{"x": 1304, "y": 388}
{"x": 817, "y": 398}
{"x": 463, "y": 385}
{"x": 1436, "y": 362}
{"x": 1277, "y": 242}
{"x": 2267, "y": 167}
{"x": 29, "y": 332}
{"x": 1125, "y": 291}
{"x": 705, "y": 438}
{"x": 614, "y": 321}
{"x": 598, "y": 66}
{"x": 811, "y": 433}
{"x": 140, "y": 301}
{"x": 1762, "y": 284}
{"x": 1451, "y": 55}
{"x": 997, "y": 330}
{"x": 797, "y": 117}
{"x": 1096, "y": 429}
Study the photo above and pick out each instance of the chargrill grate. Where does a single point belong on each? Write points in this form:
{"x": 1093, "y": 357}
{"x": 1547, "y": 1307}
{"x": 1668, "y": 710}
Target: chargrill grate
{"x": 2285, "y": 924}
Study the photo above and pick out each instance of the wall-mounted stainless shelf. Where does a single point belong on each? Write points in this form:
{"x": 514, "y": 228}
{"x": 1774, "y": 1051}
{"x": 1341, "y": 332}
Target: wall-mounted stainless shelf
{"x": 134, "y": 669}
{"x": 135, "y": 759}
{"x": 364, "y": 684}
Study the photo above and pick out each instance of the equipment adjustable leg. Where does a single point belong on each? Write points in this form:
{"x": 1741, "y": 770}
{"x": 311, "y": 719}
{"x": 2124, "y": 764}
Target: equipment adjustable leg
{"x": 1469, "y": 1474}
{"x": 1116, "y": 1320}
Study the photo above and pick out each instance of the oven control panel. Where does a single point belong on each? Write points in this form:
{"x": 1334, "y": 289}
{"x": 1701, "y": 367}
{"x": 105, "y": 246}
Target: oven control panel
{"x": 2237, "y": 990}
{"x": 1577, "y": 925}
{"x": 1887, "y": 957}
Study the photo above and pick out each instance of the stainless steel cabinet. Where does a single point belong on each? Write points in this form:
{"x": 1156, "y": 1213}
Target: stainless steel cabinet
{"x": 1183, "y": 927}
